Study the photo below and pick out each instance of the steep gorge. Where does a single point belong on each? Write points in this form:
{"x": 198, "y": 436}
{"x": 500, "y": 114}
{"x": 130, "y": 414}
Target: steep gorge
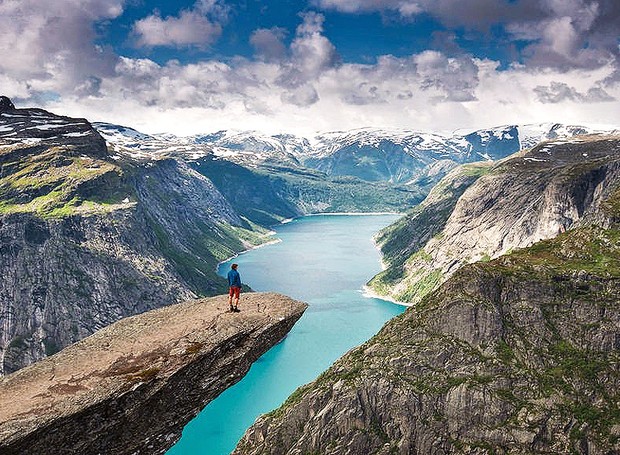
{"x": 520, "y": 354}
{"x": 481, "y": 213}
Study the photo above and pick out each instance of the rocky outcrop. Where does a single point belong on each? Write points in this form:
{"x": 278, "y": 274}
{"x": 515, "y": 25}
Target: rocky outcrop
{"x": 534, "y": 195}
{"x": 132, "y": 386}
{"x": 87, "y": 238}
{"x": 517, "y": 355}
{"x": 6, "y": 105}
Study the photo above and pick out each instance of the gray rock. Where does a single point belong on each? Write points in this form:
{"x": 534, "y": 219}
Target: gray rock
{"x": 514, "y": 355}
{"x": 534, "y": 195}
{"x": 6, "y": 105}
{"x": 87, "y": 238}
{"x": 131, "y": 387}
{"x": 509, "y": 356}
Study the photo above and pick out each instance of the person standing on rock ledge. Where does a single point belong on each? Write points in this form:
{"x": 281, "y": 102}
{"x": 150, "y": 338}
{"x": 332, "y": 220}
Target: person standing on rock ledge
{"x": 234, "y": 283}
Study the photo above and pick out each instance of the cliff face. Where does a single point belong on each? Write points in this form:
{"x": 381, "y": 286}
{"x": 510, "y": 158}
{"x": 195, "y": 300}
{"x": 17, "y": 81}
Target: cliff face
{"x": 405, "y": 237}
{"x": 531, "y": 196}
{"x": 131, "y": 387}
{"x": 516, "y": 355}
{"x": 87, "y": 238}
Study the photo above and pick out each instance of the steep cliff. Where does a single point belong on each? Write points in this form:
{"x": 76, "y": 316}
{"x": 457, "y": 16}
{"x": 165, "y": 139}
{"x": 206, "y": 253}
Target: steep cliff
{"x": 132, "y": 386}
{"x": 404, "y": 238}
{"x": 87, "y": 238}
{"x": 516, "y": 355}
{"x": 531, "y": 196}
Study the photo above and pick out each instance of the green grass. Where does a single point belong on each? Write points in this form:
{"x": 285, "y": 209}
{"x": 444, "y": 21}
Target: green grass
{"x": 477, "y": 169}
{"x": 50, "y": 184}
{"x": 421, "y": 287}
{"x": 591, "y": 249}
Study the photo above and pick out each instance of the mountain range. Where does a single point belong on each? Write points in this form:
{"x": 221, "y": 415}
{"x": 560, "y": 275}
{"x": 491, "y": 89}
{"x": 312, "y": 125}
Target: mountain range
{"x": 508, "y": 255}
{"x": 372, "y": 154}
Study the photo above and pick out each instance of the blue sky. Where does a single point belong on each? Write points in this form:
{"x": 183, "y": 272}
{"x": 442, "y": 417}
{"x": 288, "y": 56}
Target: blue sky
{"x": 358, "y": 37}
{"x": 301, "y": 66}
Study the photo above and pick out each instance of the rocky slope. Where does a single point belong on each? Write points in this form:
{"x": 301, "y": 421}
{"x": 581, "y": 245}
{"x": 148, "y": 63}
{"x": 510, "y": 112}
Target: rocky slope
{"x": 531, "y": 196}
{"x": 131, "y": 387}
{"x": 87, "y": 238}
{"x": 516, "y": 355}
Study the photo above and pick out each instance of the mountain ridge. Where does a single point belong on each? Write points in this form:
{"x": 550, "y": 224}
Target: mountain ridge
{"x": 535, "y": 195}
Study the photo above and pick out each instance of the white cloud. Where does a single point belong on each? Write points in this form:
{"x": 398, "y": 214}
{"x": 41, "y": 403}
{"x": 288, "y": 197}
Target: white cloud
{"x": 301, "y": 96}
{"x": 560, "y": 33}
{"x": 556, "y": 92}
{"x": 312, "y": 53}
{"x": 49, "y": 46}
{"x": 300, "y": 88}
{"x": 268, "y": 43}
{"x": 455, "y": 78}
{"x": 394, "y": 92}
{"x": 189, "y": 28}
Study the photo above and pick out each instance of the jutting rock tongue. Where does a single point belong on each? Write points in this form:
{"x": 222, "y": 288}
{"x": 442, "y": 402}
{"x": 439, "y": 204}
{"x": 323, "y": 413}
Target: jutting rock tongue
{"x": 6, "y": 104}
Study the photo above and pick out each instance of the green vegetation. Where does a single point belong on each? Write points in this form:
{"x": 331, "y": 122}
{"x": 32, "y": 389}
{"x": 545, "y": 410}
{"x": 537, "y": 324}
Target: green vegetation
{"x": 402, "y": 243}
{"x": 485, "y": 257}
{"x": 477, "y": 169}
{"x": 18, "y": 342}
{"x": 292, "y": 400}
{"x": 269, "y": 194}
{"x": 590, "y": 249}
{"x": 532, "y": 342}
{"x": 421, "y": 287}
{"x": 57, "y": 183}
{"x": 51, "y": 347}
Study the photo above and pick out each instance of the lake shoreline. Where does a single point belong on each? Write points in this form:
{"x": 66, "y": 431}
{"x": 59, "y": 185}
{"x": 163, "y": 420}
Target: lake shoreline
{"x": 368, "y": 292}
{"x": 289, "y": 220}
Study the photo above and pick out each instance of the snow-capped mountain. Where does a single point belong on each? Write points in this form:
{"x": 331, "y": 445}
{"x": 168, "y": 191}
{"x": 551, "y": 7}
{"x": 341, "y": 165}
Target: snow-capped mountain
{"x": 372, "y": 154}
{"x": 131, "y": 143}
{"x": 403, "y": 156}
{"x": 251, "y": 147}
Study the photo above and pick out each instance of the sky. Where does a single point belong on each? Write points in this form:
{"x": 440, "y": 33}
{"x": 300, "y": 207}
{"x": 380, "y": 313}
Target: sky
{"x": 199, "y": 66}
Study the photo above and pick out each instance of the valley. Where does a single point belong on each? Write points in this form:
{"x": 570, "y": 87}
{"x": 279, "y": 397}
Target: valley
{"x": 506, "y": 255}
{"x": 517, "y": 354}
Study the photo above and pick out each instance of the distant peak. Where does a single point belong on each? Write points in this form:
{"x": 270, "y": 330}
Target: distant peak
{"x": 6, "y": 104}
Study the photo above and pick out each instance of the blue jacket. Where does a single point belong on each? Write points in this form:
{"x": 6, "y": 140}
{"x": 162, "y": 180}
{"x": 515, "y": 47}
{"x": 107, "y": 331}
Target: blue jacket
{"x": 234, "y": 279}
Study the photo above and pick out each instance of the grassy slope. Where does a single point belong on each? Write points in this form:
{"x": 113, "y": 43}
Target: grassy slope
{"x": 58, "y": 181}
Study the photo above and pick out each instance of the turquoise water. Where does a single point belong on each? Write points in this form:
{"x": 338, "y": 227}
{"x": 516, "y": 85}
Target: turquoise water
{"x": 323, "y": 260}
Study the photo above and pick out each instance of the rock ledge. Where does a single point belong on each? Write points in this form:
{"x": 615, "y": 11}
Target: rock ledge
{"x": 132, "y": 386}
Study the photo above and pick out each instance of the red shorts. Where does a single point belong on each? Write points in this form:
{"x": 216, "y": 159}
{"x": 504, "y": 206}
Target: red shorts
{"x": 234, "y": 291}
